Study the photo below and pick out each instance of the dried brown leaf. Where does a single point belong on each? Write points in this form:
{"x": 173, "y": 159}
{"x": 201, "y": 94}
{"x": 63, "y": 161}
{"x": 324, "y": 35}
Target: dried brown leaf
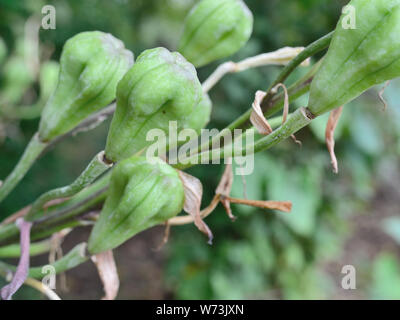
{"x": 286, "y": 108}
{"x": 224, "y": 189}
{"x": 257, "y": 117}
{"x": 193, "y": 195}
{"x": 333, "y": 120}
{"x": 285, "y": 206}
{"x": 380, "y": 94}
{"x": 107, "y": 270}
{"x": 225, "y": 184}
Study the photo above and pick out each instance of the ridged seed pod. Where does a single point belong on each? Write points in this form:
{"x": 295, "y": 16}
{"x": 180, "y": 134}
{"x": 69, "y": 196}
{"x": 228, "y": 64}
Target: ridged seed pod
{"x": 201, "y": 114}
{"x": 142, "y": 193}
{"x": 215, "y": 29}
{"x": 160, "y": 87}
{"x": 358, "y": 58}
{"x": 91, "y": 65}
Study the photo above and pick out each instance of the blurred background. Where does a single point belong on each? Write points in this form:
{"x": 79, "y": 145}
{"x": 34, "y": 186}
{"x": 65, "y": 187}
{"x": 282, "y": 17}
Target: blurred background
{"x": 352, "y": 218}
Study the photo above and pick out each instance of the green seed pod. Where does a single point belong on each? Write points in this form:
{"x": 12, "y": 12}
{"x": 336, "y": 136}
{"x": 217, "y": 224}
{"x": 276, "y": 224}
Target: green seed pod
{"x": 215, "y": 29}
{"x": 358, "y": 58}
{"x": 91, "y": 65}
{"x": 160, "y": 87}
{"x": 201, "y": 114}
{"x": 142, "y": 193}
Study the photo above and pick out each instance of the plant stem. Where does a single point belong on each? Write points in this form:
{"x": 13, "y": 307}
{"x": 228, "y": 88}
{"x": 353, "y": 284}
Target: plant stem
{"x": 72, "y": 259}
{"x": 95, "y": 168}
{"x": 310, "y": 50}
{"x": 61, "y": 216}
{"x": 297, "y": 120}
{"x": 279, "y": 57}
{"x": 14, "y": 250}
{"x": 270, "y": 108}
{"x": 295, "y": 92}
{"x": 31, "y": 153}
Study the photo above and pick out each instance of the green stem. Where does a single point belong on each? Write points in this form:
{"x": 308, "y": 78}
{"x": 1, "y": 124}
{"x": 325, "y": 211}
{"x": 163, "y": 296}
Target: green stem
{"x": 268, "y": 108}
{"x": 297, "y": 120}
{"x": 14, "y": 250}
{"x": 71, "y": 260}
{"x": 309, "y": 51}
{"x": 61, "y": 216}
{"x": 31, "y": 153}
{"x": 95, "y": 168}
{"x": 296, "y": 91}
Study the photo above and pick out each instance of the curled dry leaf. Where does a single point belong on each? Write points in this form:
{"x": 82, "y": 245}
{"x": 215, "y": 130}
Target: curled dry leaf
{"x": 224, "y": 189}
{"x": 223, "y": 195}
{"x": 257, "y": 117}
{"x": 193, "y": 195}
{"x": 286, "y": 108}
{"x": 333, "y": 120}
{"x": 107, "y": 269}
{"x": 380, "y": 94}
{"x": 21, "y": 273}
{"x": 56, "y": 252}
{"x": 285, "y": 206}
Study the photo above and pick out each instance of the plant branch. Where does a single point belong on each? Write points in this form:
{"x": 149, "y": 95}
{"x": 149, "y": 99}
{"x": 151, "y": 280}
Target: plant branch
{"x": 298, "y": 119}
{"x": 95, "y": 168}
{"x": 279, "y": 57}
{"x": 31, "y": 153}
{"x": 14, "y": 250}
{"x": 72, "y": 259}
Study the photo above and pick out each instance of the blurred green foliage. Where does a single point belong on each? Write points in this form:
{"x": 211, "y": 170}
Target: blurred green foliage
{"x": 263, "y": 254}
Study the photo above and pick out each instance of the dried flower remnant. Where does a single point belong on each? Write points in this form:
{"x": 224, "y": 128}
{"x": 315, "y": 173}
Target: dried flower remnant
{"x": 380, "y": 95}
{"x": 257, "y": 117}
{"x": 107, "y": 269}
{"x": 222, "y": 195}
{"x": 193, "y": 194}
{"x": 333, "y": 120}
{"x": 224, "y": 189}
